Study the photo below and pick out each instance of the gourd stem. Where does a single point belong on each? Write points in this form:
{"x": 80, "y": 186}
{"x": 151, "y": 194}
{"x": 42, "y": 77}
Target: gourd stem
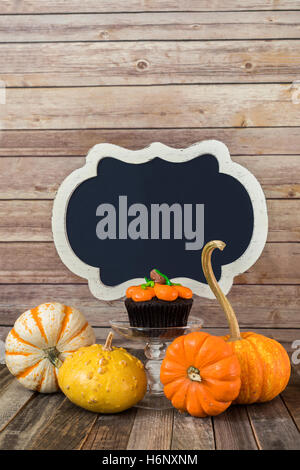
{"x": 194, "y": 374}
{"x": 168, "y": 282}
{"x": 108, "y": 342}
{"x": 53, "y": 355}
{"x": 235, "y": 333}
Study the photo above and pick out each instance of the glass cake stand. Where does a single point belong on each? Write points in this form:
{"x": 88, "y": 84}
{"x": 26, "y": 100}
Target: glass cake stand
{"x": 156, "y": 341}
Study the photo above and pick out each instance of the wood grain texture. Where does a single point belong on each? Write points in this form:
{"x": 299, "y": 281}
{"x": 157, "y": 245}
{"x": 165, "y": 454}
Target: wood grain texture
{"x": 284, "y": 224}
{"x": 93, "y": 6}
{"x": 16, "y": 215}
{"x": 154, "y": 26}
{"x": 275, "y": 266}
{"x": 240, "y": 141}
{"x": 291, "y": 396}
{"x": 12, "y": 399}
{"x": 191, "y": 433}
{"x": 34, "y": 178}
{"x": 273, "y": 427}
{"x": 148, "y": 63}
{"x": 266, "y": 306}
{"x": 66, "y": 429}
{"x": 40, "y": 178}
{"x": 31, "y": 220}
{"x": 90, "y": 72}
{"x": 27, "y": 424}
{"x": 156, "y": 106}
{"x": 111, "y": 432}
{"x": 5, "y": 377}
{"x": 233, "y": 430}
{"x": 271, "y": 423}
{"x": 279, "y": 176}
{"x": 40, "y": 263}
{"x": 152, "y": 430}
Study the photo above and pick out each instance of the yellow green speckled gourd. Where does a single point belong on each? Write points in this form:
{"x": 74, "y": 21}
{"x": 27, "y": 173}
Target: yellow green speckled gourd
{"x": 103, "y": 379}
{"x": 265, "y": 364}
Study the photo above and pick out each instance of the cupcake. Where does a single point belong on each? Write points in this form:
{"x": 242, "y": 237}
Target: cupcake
{"x": 158, "y": 303}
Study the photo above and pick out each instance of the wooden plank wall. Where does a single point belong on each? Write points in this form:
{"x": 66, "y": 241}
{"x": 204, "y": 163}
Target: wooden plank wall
{"x": 82, "y": 72}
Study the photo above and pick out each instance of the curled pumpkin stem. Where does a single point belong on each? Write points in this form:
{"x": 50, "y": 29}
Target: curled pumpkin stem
{"x": 235, "y": 333}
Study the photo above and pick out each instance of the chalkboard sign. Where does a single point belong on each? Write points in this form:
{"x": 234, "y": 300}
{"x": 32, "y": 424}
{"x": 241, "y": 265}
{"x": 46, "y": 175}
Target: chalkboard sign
{"x": 126, "y": 212}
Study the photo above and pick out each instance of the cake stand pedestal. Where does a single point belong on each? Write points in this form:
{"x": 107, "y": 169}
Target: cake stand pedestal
{"x": 156, "y": 341}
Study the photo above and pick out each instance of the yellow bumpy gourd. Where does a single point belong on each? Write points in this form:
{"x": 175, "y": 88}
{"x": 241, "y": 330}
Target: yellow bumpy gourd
{"x": 103, "y": 379}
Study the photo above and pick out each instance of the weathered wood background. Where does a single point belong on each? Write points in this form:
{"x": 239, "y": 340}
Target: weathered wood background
{"x": 82, "y": 72}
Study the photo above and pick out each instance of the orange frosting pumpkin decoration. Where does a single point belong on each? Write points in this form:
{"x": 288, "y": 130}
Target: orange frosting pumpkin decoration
{"x": 164, "y": 292}
{"x": 184, "y": 292}
{"x": 138, "y": 294}
{"x": 160, "y": 286}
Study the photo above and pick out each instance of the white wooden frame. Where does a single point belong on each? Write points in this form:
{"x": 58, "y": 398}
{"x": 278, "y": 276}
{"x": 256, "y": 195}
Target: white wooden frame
{"x": 226, "y": 165}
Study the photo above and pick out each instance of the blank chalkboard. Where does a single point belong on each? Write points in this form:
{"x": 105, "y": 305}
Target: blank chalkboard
{"x": 131, "y": 217}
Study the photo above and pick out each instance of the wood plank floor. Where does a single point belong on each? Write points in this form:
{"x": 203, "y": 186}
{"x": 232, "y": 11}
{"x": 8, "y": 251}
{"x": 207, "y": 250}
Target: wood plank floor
{"x": 76, "y": 73}
{"x": 46, "y": 422}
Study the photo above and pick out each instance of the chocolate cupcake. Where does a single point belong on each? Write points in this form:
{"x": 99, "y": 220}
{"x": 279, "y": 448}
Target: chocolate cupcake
{"x": 158, "y": 303}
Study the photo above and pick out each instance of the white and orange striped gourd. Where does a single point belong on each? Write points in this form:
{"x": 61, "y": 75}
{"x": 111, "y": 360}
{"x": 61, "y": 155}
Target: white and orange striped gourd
{"x": 40, "y": 341}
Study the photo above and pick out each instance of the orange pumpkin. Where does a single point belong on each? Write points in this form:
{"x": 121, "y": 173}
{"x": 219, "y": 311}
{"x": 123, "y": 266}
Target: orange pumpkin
{"x": 200, "y": 374}
{"x": 265, "y": 364}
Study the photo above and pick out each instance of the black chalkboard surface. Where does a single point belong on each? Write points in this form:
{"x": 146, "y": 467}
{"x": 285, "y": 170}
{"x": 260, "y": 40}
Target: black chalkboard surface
{"x": 128, "y": 215}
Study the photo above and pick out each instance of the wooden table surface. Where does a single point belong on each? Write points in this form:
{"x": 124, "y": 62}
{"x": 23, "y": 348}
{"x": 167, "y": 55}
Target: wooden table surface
{"x": 34, "y": 421}
{"x": 80, "y": 73}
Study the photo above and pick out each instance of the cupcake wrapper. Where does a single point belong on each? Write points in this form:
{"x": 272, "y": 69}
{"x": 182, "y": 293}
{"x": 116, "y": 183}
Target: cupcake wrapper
{"x": 156, "y": 313}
